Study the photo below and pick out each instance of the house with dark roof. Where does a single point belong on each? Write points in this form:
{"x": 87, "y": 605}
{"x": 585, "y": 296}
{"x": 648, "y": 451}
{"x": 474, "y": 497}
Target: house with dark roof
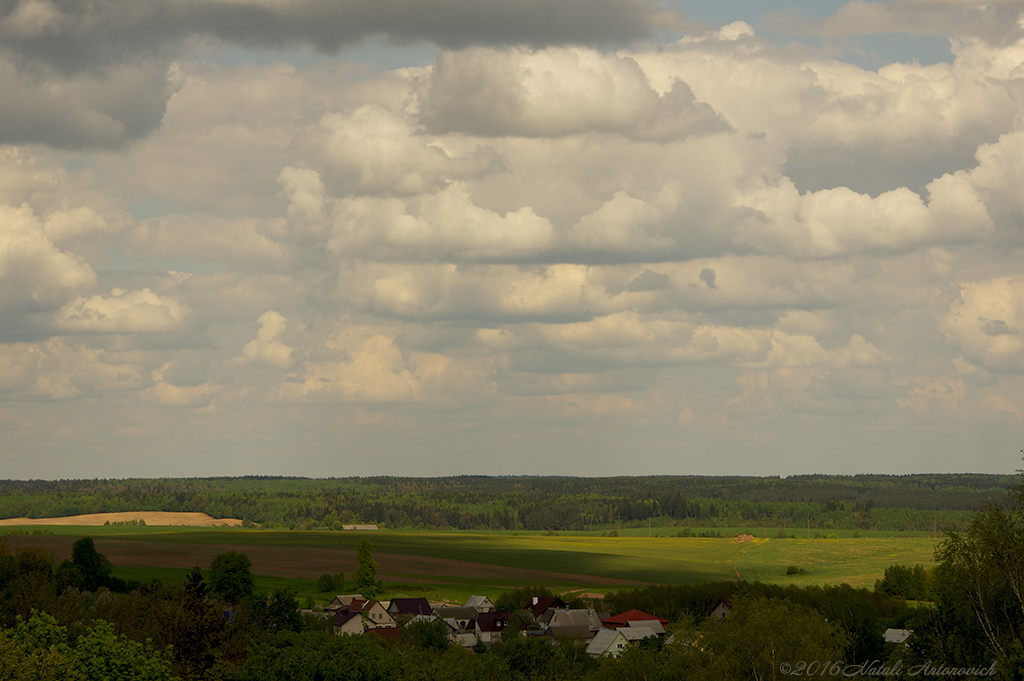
{"x": 542, "y": 604}
{"x": 490, "y": 625}
{"x": 461, "y": 617}
{"x": 409, "y": 607}
{"x": 361, "y": 615}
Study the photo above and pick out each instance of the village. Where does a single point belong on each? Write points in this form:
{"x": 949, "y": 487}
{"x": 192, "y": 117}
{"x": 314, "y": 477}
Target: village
{"x": 476, "y": 623}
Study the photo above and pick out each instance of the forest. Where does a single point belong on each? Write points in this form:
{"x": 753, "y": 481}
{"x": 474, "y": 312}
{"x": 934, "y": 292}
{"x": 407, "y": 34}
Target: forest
{"x": 880, "y": 502}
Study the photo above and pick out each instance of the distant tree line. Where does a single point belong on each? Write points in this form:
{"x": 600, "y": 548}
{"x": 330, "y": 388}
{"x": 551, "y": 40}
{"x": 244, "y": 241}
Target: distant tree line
{"x": 892, "y": 503}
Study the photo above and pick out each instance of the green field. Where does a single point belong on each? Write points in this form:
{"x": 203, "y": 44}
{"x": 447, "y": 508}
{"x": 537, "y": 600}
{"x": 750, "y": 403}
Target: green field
{"x": 453, "y": 565}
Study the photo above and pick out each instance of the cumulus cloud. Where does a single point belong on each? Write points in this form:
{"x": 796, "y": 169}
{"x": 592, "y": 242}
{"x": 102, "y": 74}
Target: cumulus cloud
{"x": 447, "y": 224}
{"x": 124, "y": 312}
{"x": 59, "y": 368}
{"x": 165, "y": 394}
{"x": 987, "y": 321}
{"x": 556, "y": 92}
{"x": 384, "y": 152}
{"x": 267, "y": 348}
{"x": 34, "y": 273}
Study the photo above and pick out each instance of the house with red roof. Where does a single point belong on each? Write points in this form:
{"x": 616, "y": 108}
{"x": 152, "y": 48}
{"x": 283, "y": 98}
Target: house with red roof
{"x": 623, "y": 619}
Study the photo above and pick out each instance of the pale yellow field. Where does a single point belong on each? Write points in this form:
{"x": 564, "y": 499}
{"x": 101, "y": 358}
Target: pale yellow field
{"x": 151, "y": 518}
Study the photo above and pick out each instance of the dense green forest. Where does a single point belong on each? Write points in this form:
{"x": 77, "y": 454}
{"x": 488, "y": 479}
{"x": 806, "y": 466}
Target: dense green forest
{"x": 883, "y": 502}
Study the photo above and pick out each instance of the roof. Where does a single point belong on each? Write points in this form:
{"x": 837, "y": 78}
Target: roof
{"x": 495, "y": 621}
{"x": 570, "y": 631}
{"x": 479, "y": 602}
{"x": 568, "y": 618}
{"x": 897, "y": 635}
{"x": 409, "y": 606}
{"x": 603, "y": 641}
{"x": 653, "y": 625}
{"x": 455, "y": 613}
{"x": 340, "y": 602}
{"x": 450, "y": 623}
{"x": 343, "y": 616}
{"x": 637, "y": 633}
{"x": 542, "y": 603}
{"x": 622, "y": 619}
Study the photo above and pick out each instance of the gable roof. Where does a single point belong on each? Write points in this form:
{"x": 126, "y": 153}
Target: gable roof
{"x": 458, "y": 613}
{"x": 897, "y": 635}
{"x": 479, "y": 602}
{"x": 604, "y": 641}
{"x": 622, "y": 619}
{"x": 342, "y": 616}
{"x": 570, "y": 618}
{"x": 570, "y": 631}
{"x": 409, "y": 606}
{"x": 496, "y": 621}
{"x": 636, "y": 633}
{"x": 653, "y": 625}
{"x": 542, "y": 603}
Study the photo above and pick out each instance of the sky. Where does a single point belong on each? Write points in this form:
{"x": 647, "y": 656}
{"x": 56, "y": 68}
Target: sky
{"x": 547, "y": 237}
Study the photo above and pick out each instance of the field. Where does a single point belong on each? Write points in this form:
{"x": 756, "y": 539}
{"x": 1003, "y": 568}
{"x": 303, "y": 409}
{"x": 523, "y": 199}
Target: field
{"x": 450, "y": 566}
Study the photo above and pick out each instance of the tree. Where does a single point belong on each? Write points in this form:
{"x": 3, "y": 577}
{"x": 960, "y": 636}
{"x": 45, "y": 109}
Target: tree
{"x": 365, "y": 576}
{"x": 278, "y": 612}
{"x": 231, "y": 576}
{"x": 761, "y": 637}
{"x": 906, "y": 581}
{"x": 89, "y": 569}
{"x": 328, "y": 583}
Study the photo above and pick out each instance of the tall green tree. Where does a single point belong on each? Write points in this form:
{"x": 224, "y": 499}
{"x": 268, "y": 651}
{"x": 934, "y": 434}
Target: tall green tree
{"x": 231, "y": 576}
{"x": 365, "y": 576}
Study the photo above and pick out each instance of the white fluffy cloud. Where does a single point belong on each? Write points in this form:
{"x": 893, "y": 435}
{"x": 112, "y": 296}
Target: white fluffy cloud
{"x": 558, "y": 92}
{"x": 725, "y": 237}
{"x": 987, "y": 321}
{"x": 34, "y": 273}
{"x": 124, "y": 312}
{"x": 267, "y": 347}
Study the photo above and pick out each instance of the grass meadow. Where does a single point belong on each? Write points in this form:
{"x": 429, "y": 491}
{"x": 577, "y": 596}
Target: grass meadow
{"x": 451, "y": 566}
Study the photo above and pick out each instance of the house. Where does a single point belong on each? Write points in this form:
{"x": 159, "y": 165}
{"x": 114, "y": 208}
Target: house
{"x": 341, "y": 602}
{"x": 542, "y": 604}
{"x": 569, "y": 622}
{"x": 361, "y": 615}
{"x": 607, "y": 642}
{"x": 460, "y": 616}
{"x": 490, "y": 625}
{"x": 409, "y": 607}
{"x": 480, "y": 604}
{"x": 722, "y": 610}
{"x": 623, "y": 619}
{"x": 348, "y": 622}
{"x": 373, "y": 613}
{"x": 897, "y": 636}
{"x": 359, "y": 528}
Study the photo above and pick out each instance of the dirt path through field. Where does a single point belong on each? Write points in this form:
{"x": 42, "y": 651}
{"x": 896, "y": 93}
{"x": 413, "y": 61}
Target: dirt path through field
{"x": 307, "y": 562}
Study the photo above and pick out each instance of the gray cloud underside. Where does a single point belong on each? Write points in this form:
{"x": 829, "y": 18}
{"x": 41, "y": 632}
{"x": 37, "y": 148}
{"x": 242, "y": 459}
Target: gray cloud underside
{"x": 71, "y": 35}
